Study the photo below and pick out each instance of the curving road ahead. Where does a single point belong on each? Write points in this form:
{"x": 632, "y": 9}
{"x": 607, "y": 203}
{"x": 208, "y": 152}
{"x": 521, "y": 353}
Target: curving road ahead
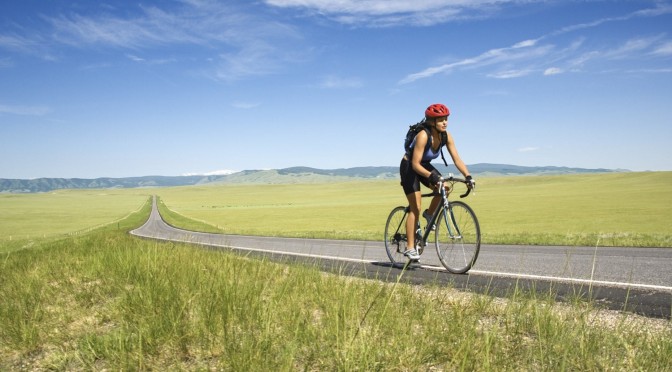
{"x": 632, "y": 279}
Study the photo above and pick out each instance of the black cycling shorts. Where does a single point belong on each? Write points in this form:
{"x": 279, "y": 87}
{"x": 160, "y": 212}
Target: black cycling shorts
{"x": 410, "y": 180}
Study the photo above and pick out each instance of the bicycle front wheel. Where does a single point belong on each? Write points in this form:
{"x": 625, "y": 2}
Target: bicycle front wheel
{"x": 458, "y": 237}
{"x": 395, "y": 235}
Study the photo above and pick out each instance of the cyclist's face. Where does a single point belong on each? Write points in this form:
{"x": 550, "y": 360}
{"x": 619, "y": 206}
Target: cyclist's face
{"x": 442, "y": 123}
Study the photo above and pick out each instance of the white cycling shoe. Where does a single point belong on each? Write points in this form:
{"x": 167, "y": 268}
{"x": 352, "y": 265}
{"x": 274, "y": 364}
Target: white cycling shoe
{"x": 412, "y": 254}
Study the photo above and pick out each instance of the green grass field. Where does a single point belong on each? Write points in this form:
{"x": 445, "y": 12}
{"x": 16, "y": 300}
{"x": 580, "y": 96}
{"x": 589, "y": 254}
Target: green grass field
{"x": 28, "y": 218}
{"x": 105, "y": 300}
{"x": 621, "y": 209}
{"x": 88, "y": 296}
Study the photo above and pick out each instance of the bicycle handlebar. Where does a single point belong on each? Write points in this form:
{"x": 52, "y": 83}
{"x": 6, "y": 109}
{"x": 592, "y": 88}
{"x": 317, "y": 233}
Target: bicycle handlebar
{"x": 464, "y": 181}
{"x": 454, "y": 180}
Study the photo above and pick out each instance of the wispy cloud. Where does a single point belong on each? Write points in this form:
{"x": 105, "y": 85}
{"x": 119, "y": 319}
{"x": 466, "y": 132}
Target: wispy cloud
{"x": 387, "y": 13}
{"x": 24, "y": 110}
{"x": 135, "y": 58}
{"x": 214, "y": 27}
{"x": 664, "y": 49}
{"x": 190, "y": 22}
{"x": 635, "y": 46}
{"x": 524, "y": 50}
{"x": 14, "y": 42}
{"x": 34, "y": 45}
{"x": 541, "y": 56}
{"x": 248, "y": 61}
{"x": 510, "y": 74}
{"x": 658, "y": 10}
{"x": 553, "y": 71}
{"x": 150, "y": 61}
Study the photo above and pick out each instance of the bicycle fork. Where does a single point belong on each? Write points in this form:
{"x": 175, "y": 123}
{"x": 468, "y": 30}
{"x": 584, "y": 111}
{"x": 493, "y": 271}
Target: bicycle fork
{"x": 450, "y": 222}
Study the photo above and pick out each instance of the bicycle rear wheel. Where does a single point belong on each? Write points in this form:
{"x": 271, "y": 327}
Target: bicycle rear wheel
{"x": 395, "y": 235}
{"x": 458, "y": 237}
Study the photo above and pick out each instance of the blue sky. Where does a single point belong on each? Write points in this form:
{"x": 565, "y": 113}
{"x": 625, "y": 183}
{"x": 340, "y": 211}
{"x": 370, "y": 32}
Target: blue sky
{"x": 131, "y": 88}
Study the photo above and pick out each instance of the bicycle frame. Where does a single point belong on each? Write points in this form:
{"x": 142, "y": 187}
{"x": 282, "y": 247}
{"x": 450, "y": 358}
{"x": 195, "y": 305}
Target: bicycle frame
{"x": 445, "y": 204}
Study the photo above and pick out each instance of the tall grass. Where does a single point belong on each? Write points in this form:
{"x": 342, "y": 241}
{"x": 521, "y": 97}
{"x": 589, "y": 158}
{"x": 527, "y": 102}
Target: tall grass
{"x": 106, "y": 300}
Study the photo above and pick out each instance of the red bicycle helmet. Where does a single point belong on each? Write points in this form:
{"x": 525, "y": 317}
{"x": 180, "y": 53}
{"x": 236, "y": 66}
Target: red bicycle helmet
{"x": 437, "y": 110}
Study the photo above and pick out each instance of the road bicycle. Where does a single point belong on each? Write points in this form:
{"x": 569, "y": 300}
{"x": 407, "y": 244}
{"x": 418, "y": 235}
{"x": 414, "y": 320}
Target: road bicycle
{"x": 457, "y": 234}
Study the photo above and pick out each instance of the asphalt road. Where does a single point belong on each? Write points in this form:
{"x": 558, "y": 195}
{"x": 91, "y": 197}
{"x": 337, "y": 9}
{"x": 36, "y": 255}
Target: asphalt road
{"x": 638, "y": 280}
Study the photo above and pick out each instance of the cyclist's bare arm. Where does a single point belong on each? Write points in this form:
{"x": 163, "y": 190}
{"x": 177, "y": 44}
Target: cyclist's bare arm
{"x": 457, "y": 160}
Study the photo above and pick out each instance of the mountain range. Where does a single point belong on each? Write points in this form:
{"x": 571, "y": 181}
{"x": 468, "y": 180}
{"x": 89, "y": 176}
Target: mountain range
{"x": 272, "y": 176}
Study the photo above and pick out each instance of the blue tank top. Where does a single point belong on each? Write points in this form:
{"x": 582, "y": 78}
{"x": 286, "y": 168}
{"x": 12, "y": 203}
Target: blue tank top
{"x": 429, "y": 154}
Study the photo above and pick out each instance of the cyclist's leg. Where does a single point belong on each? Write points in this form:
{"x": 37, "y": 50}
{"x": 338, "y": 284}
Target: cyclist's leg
{"x": 434, "y": 204}
{"x": 436, "y": 199}
{"x": 414, "y": 202}
{"x": 410, "y": 181}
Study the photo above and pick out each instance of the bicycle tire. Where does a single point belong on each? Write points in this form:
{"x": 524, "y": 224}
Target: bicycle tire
{"x": 458, "y": 251}
{"x": 395, "y": 235}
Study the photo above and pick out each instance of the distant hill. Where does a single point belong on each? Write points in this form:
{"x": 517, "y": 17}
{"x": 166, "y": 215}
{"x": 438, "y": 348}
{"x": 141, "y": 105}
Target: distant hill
{"x": 273, "y": 176}
{"x": 50, "y": 184}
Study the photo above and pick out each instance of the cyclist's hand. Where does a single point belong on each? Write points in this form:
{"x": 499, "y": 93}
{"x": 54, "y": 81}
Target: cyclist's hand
{"x": 435, "y": 177}
{"x": 471, "y": 184}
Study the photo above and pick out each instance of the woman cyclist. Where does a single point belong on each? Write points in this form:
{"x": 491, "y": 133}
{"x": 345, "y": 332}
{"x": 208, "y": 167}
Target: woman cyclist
{"x": 415, "y": 168}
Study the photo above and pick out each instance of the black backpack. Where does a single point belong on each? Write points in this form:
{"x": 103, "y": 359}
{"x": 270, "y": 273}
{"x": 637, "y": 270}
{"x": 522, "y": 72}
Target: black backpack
{"x": 413, "y": 131}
